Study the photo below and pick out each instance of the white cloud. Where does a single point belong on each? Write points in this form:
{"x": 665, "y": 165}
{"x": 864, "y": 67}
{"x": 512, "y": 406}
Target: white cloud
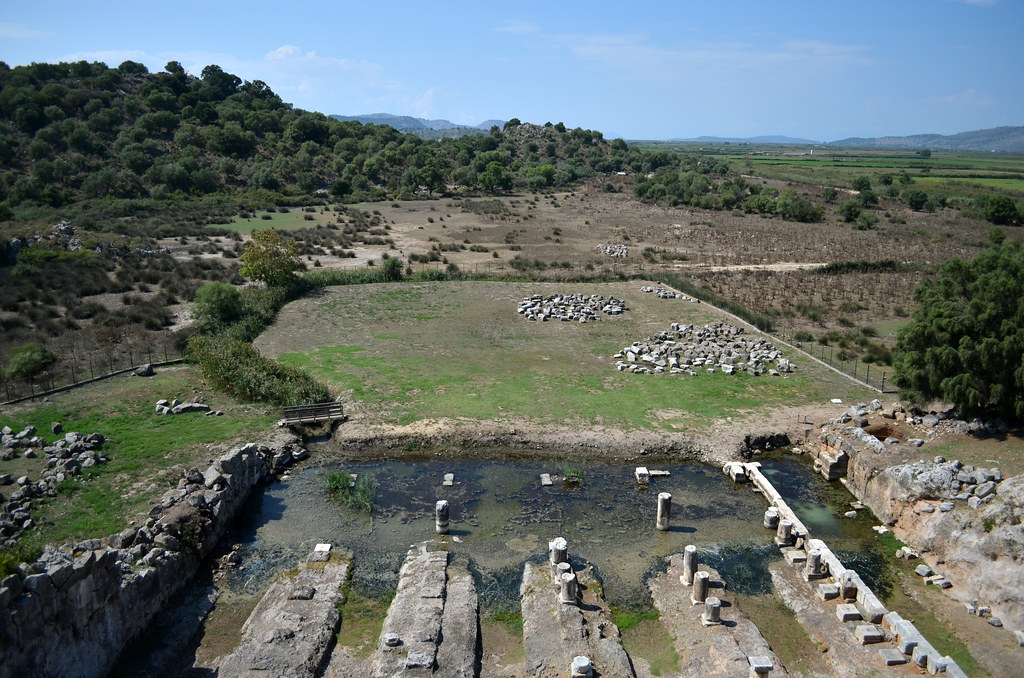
{"x": 969, "y": 98}
{"x": 9, "y": 31}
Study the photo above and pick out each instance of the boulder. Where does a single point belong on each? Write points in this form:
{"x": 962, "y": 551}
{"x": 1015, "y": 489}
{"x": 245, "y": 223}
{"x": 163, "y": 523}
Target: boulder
{"x": 187, "y": 407}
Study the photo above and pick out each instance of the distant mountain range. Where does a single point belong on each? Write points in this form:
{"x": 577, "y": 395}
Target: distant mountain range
{"x": 427, "y": 129}
{"x": 749, "y": 140}
{"x": 1005, "y": 139}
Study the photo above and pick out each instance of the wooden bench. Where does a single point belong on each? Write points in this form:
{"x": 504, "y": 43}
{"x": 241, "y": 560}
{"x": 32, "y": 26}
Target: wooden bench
{"x": 313, "y": 413}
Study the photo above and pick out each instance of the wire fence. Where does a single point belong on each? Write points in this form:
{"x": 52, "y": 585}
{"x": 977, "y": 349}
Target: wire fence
{"x": 876, "y": 376}
{"x": 87, "y": 368}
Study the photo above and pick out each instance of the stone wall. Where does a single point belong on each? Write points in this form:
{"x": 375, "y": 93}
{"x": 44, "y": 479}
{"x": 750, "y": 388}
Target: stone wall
{"x": 72, "y": 612}
{"x": 967, "y": 522}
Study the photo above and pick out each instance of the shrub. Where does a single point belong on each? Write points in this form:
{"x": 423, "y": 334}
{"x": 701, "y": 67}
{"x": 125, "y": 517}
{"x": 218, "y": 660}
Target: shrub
{"x": 28, "y": 361}
{"x": 236, "y": 367}
{"x": 849, "y": 210}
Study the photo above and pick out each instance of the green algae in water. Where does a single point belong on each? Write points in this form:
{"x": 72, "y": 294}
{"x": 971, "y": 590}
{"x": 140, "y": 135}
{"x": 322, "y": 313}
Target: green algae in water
{"x": 501, "y": 516}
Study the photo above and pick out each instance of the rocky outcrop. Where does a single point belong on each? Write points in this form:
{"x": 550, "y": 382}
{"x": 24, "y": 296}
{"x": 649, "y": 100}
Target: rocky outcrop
{"x": 965, "y": 521}
{"x": 70, "y": 613}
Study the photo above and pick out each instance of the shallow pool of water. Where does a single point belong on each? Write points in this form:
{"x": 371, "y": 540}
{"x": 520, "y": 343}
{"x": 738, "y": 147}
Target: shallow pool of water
{"x": 501, "y": 516}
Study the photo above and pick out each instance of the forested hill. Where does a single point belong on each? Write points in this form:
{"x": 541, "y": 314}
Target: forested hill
{"x": 75, "y": 131}
{"x": 421, "y": 127}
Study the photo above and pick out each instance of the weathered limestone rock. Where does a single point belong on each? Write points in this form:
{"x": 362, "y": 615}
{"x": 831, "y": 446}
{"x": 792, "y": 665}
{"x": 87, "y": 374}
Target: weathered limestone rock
{"x": 554, "y": 633}
{"x": 291, "y": 629}
{"x": 431, "y": 626}
{"x": 719, "y": 650}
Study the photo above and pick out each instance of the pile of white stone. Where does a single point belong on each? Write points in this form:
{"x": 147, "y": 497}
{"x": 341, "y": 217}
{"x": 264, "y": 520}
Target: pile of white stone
{"x": 663, "y": 293}
{"x": 616, "y": 251}
{"x": 686, "y": 349}
{"x": 581, "y": 308}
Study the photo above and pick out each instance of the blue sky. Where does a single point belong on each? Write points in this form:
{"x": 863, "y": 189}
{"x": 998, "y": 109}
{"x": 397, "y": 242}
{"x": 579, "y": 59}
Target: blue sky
{"x": 821, "y": 70}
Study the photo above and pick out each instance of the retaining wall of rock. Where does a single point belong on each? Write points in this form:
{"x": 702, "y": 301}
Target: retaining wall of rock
{"x": 73, "y": 611}
{"x": 964, "y": 520}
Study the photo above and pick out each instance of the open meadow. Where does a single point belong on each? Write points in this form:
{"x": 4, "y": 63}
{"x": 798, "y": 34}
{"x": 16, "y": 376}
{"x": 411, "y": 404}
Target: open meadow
{"x": 458, "y": 352}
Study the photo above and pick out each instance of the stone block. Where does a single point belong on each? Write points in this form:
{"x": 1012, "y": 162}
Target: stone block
{"x": 828, "y": 591}
{"x": 891, "y": 657}
{"x": 794, "y": 555}
{"x": 760, "y": 666}
{"x": 1019, "y": 636}
{"x": 936, "y": 663}
{"x": 923, "y": 570}
{"x": 846, "y": 612}
{"x": 868, "y": 634}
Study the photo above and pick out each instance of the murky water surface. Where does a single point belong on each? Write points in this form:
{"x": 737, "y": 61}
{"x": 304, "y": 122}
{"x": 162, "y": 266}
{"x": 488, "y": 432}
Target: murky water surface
{"x": 501, "y": 516}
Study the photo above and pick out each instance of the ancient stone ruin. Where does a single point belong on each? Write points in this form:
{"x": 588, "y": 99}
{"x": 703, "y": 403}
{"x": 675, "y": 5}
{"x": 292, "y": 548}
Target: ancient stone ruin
{"x": 580, "y": 308}
{"x": 687, "y": 349}
{"x": 65, "y": 459}
{"x": 176, "y": 406}
{"x": 665, "y": 293}
{"x": 614, "y": 251}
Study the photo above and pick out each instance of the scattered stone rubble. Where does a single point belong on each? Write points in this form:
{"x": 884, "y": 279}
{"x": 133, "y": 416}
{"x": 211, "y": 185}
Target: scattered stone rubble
{"x": 581, "y": 308}
{"x": 65, "y": 459}
{"x": 664, "y": 293}
{"x": 615, "y": 251}
{"x": 176, "y": 406}
{"x": 686, "y": 349}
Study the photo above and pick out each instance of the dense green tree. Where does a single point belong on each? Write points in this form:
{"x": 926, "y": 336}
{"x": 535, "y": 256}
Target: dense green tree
{"x": 861, "y": 182}
{"x": 915, "y": 199}
{"x": 28, "y": 361}
{"x": 965, "y": 342}
{"x": 1001, "y": 209}
{"x": 270, "y": 259}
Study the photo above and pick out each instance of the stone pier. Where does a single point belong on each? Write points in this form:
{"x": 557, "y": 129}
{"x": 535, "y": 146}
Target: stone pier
{"x": 291, "y": 630}
{"x": 430, "y": 628}
{"x": 720, "y": 649}
{"x": 441, "y": 512}
{"x": 689, "y": 565}
{"x": 554, "y": 633}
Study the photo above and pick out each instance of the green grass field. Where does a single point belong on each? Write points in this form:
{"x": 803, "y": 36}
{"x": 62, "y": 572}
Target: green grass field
{"x": 283, "y": 221}
{"x": 460, "y": 351}
{"x": 146, "y": 449}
